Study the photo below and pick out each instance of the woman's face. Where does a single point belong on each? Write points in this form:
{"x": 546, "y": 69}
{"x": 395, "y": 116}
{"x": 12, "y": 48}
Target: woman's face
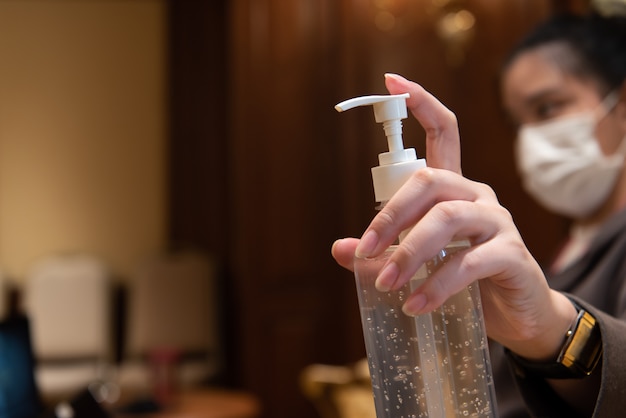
{"x": 536, "y": 88}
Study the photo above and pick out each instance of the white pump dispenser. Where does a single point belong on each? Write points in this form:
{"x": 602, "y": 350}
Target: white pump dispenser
{"x": 434, "y": 365}
{"x": 396, "y": 165}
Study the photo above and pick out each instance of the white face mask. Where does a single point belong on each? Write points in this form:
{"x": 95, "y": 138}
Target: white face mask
{"x": 562, "y": 165}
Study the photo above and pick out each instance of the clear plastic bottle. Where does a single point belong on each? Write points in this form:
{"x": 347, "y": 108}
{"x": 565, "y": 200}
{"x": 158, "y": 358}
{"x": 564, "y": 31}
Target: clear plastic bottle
{"x": 432, "y": 365}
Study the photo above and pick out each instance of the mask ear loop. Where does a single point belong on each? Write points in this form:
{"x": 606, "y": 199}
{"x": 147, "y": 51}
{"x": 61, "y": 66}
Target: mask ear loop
{"x": 608, "y": 105}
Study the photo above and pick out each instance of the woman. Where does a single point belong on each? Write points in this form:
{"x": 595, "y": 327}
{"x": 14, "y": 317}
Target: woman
{"x": 563, "y": 86}
{"x": 565, "y": 334}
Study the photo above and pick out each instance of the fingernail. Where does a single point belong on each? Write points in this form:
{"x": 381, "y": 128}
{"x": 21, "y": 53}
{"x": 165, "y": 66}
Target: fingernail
{"x": 394, "y": 76}
{"x": 415, "y": 305}
{"x": 367, "y": 245}
{"x": 336, "y": 242}
{"x": 387, "y": 277}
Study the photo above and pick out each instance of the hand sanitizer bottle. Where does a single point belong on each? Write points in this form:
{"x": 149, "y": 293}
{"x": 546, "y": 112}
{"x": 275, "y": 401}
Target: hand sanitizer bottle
{"x": 431, "y": 365}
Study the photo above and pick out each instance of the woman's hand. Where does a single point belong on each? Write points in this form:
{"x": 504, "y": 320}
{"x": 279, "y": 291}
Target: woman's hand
{"x": 438, "y": 205}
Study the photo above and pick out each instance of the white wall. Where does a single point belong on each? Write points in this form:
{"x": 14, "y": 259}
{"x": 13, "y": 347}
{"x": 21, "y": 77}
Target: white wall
{"x": 82, "y": 130}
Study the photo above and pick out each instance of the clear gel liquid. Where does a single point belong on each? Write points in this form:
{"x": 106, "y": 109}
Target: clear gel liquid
{"x": 433, "y": 365}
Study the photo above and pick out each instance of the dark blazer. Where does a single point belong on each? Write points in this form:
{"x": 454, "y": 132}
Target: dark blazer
{"x": 597, "y": 281}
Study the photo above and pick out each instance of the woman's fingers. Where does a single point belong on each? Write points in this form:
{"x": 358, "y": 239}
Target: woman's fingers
{"x": 443, "y": 149}
{"x": 503, "y": 259}
{"x": 444, "y": 206}
{"x": 416, "y": 197}
{"x": 445, "y": 222}
{"x": 343, "y": 252}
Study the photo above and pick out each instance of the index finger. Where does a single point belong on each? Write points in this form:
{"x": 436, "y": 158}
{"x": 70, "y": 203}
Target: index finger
{"x": 443, "y": 146}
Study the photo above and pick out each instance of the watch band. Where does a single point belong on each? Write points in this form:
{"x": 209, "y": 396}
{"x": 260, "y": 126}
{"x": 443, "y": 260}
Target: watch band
{"x": 580, "y": 354}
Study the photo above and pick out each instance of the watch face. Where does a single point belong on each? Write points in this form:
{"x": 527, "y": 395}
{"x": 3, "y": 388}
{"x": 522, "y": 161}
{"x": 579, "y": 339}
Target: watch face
{"x": 583, "y": 349}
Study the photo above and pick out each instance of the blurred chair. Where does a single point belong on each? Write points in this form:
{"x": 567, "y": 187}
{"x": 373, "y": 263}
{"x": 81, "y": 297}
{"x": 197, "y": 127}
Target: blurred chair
{"x": 339, "y": 391}
{"x": 171, "y": 318}
{"x": 68, "y": 301}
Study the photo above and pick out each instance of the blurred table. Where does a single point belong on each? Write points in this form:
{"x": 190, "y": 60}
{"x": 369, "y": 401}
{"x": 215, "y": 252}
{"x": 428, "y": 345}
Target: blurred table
{"x": 206, "y": 403}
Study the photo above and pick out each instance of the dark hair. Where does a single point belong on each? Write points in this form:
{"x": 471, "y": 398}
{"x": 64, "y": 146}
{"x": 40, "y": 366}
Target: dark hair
{"x": 596, "y": 46}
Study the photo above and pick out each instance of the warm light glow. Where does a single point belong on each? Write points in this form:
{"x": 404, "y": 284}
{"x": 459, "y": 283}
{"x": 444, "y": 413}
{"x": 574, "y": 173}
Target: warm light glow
{"x": 456, "y": 22}
{"x": 385, "y": 21}
{"x": 464, "y": 20}
{"x": 456, "y": 29}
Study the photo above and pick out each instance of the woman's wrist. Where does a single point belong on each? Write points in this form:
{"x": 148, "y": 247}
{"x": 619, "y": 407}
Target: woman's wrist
{"x": 545, "y": 344}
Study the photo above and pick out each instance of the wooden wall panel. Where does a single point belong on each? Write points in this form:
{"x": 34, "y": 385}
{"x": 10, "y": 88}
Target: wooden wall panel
{"x": 199, "y": 139}
{"x": 285, "y": 160}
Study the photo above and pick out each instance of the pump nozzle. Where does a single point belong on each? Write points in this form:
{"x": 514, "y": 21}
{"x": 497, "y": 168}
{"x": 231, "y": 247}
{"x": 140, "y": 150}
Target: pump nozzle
{"x": 399, "y": 163}
{"x": 388, "y": 110}
{"x": 386, "y": 107}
